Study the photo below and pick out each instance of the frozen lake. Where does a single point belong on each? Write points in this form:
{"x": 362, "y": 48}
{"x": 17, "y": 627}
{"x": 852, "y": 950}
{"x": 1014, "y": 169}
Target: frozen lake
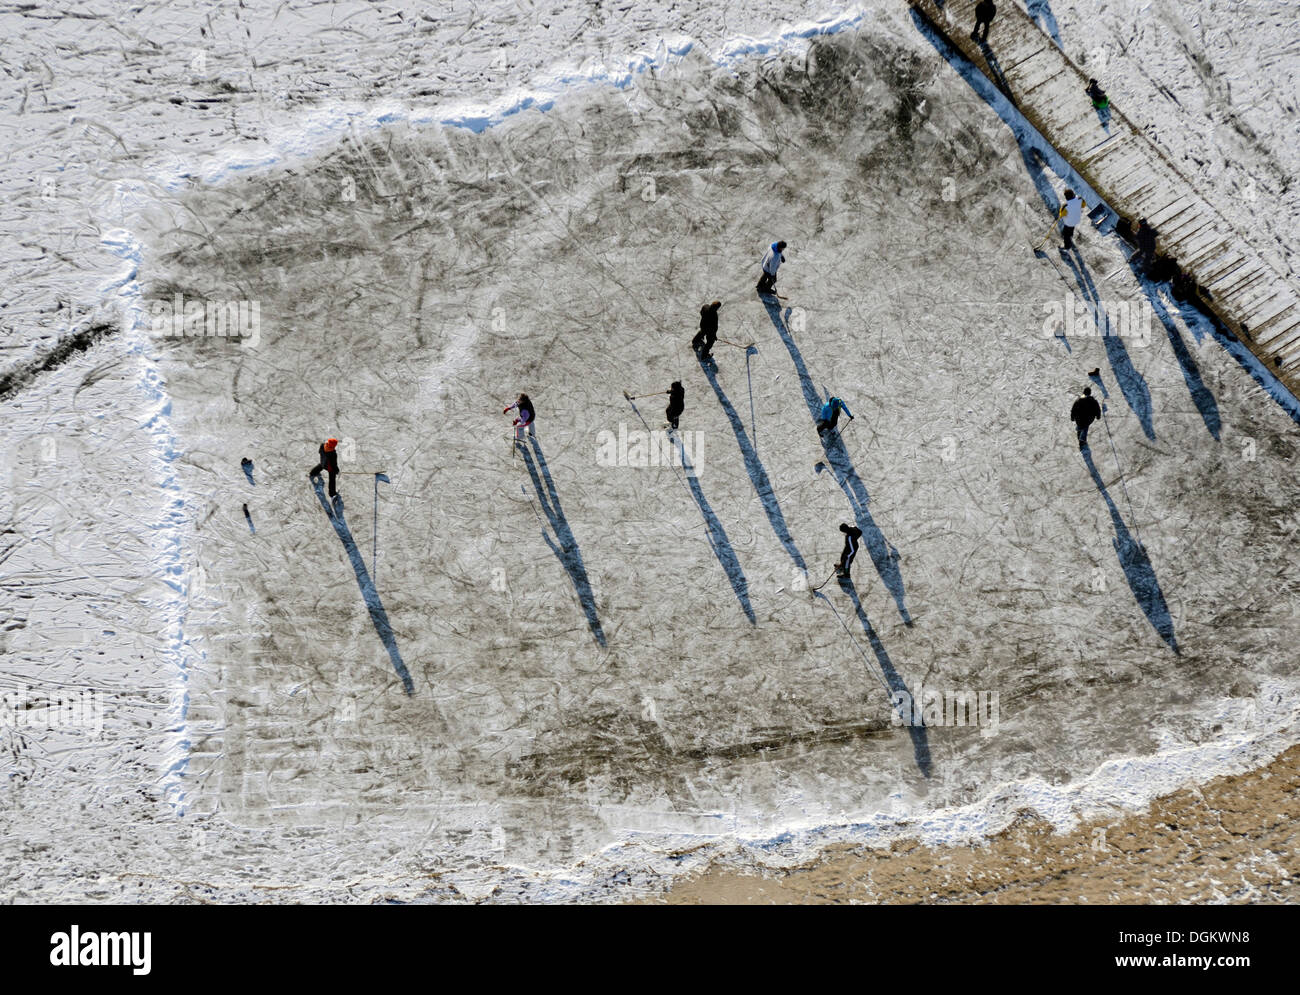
{"x": 495, "y": 660}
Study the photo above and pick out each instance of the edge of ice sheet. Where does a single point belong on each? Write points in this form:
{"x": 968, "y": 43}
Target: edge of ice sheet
{"x": 167, "y": 534}
{"x": 325, "y": 126}
{"x": 1120, "y": 785}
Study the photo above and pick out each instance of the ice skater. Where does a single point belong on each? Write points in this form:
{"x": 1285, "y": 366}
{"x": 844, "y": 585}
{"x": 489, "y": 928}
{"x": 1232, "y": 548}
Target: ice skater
{"x": 771, "y": 263}
{"x": 708, "y": 333}
{"x": 829, "y": 416}
{"x": 852, "y": 540}
{"x": 329, "y": 462}
{"x": 1086, "y": 410}
{"x": 676, "y": 404}
{"x": 1097, "y": 95}
{"x": 984, "y": 13}
{"x": 527, "y": 417}
{"x": 1072, "y": 213}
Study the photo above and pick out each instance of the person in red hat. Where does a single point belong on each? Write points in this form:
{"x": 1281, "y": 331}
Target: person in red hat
{"x": 329, "y": 462}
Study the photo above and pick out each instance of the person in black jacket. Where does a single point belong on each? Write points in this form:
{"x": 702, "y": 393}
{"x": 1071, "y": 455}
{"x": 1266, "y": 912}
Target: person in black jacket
{"x": 329, "y": 462}
{"x": 852, "y": 540}
{"x": 984, "y": 11}
{"x": 1097, "y": 95}
{"x": 1146, "y": 240}
{"x": 1086, "y": 410}
{"x": 676, "y": 403}
{"x": 708, "y": 333}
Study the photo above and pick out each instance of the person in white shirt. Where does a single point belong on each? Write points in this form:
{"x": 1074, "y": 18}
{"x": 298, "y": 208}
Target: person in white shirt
{"x": 771, "y": 263}
{"x": 1072, "y": 211}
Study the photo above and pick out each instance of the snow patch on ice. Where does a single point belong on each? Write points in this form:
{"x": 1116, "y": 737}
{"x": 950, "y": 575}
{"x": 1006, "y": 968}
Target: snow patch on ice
{"x": 167, "y": 542}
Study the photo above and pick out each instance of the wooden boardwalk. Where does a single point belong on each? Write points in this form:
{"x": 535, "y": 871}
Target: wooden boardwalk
{"x": 1134, "y": 177}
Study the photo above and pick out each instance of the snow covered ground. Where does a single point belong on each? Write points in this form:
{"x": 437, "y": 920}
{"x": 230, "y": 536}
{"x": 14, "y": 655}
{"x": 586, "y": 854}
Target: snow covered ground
{"x": 558, "y": 673}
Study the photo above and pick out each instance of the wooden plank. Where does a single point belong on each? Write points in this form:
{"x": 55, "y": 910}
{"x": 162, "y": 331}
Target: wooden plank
{"x": 1275, "y": 325}
{"x": 1114, "y": 168}
{"x": 1152, "y": 203}
{"x": 1266, "y": 292}
{"x": 1140, "y": 184}
{"x": 1186, "y": 224}
{"x": 1285, "y": 339}
{"x": 1271, "y": 328}
{"x": 1194, "y": 263}
{"x": 1019, "y": 61}
{"x": 1231, "y": 298}
{"x": 1026, "y": 85}
{"x": 1287, "y": 342}
{"x": 1077, "y": 130}
{"x": 1183, "y": 246}
{"x": 1066, "y": 106}
{"x": 1164, "y": 215}
{"x": 1268, "y": 298}
{"x": 1016, "y": 56}
{"x": 1224, "y": 265}
{"x": 1192, "y": 249}
{"x": 1102, "y": 149}
{"x": 1222, "y": 283}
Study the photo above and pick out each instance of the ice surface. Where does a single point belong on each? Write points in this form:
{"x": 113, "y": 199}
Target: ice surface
{"x": 614, "y": 656}
{"x": 601, "y": 648}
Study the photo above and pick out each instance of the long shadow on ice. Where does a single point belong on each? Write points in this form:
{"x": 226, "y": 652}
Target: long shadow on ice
{"x": 1202, "y": 397}
{"x": 722, "y": 548}
{"x": 1040, "y": 12}
{"x": 894, "y": 680}
{"x": 378, "y": 616}
{"x": 757, "y": 472}
{"x": 1131, "y": 383}
{"x": 565, "y": 546}
{"x": 1135, "y": 563}
{"x": 718, "y": 540}
{"x": 883, "y": 555}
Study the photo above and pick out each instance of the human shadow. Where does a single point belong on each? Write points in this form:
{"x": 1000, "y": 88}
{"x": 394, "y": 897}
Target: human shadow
{"x": 754, "y": 467}
{"x": 894, "y": 680}
{"x": 883, "y": 555}
{"x": 1202, "y": 397}
{"x": 1040, "y": 12}
{"x": 722, "y": 547}
{"x": 995, "y": 67}
{"x": 247, "y": 465}
{"x": 378, "y": 616}
{"x": 1131, "y": 383}
{"x": 1136, "y": 564}
{"x": 564, "y": 546}
{"x": 718, "y": 540}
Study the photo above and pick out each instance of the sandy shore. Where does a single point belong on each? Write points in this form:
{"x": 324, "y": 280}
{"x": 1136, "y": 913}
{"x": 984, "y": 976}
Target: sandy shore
{"x": 1234, "y": 840}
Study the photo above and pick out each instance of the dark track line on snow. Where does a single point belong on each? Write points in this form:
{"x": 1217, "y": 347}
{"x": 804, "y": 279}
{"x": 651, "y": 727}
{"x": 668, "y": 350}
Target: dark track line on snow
{"x": 22, "y": 376}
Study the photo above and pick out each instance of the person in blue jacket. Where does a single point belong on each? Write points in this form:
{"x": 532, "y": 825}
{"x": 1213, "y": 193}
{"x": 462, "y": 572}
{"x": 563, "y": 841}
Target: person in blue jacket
{"x": 830, "y": 414}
